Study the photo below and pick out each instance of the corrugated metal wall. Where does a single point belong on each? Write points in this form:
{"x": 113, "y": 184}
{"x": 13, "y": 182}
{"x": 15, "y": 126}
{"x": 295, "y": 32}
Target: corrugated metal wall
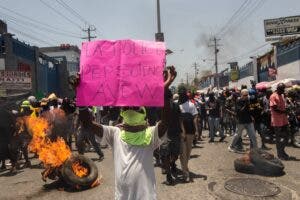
{"x": 47, "y": 78}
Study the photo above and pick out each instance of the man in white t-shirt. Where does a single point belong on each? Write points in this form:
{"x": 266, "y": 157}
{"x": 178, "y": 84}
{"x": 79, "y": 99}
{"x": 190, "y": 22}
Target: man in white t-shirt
{"x": 189, "y": 127}
{"x": 133, "y": 143}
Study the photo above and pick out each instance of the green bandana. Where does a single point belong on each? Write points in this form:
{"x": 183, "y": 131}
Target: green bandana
{"x": 141, "y": 138}
{"x": 134, "y": 118}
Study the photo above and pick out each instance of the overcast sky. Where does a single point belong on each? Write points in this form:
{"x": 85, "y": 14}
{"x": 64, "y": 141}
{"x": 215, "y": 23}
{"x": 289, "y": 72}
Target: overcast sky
{"x": 187, "y": 24}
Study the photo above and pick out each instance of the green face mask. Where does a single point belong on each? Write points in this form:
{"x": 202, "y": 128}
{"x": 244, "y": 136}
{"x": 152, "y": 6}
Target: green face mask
{"x": 141, "y": 138}
{"x": 134, "y": 118}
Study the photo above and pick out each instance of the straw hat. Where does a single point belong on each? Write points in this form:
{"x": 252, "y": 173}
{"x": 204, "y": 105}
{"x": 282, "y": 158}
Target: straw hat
{"x": 52, "y": 97}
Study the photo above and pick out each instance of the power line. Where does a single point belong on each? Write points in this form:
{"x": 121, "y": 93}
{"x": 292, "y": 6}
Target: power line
{"x": 26, "y": 27}
{"x": 236, "y": 13}
{"x": 249, "y": 5}
{"x": 252, "y": 11}
{"x": 60, "y": 14}
{"x": 48, "y": 26}
{"x": 72, "y": 11}
{"x": 245, "y": 54}
{"x": 32, "y": 25}
{"x": 245, "y": 15}
{"x": 31, "y": 37}
{"x": 91, "y": 28}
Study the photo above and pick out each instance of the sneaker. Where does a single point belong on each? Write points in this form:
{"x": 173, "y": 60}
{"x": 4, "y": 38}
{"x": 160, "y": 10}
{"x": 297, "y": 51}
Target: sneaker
{"x": 186, "y": 177}
{"x": 211, "y": 141}
{"x": 232, "y": 149}
{"x": 169, "y": 181}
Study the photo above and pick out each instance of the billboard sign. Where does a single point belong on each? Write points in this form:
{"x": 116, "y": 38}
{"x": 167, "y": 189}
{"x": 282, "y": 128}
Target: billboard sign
{"x": 282, "y": 26}
{"x": 15, "y": 80}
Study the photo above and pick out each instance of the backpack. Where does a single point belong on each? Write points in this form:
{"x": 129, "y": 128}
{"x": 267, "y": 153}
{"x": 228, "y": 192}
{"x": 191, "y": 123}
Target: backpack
{"x": 188, "y": 122}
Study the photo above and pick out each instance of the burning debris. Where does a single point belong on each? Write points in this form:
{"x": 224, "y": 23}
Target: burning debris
{"x": 259, "y": 162}
{"x": 79, "y": 170}
{"x": 74, "y": 170}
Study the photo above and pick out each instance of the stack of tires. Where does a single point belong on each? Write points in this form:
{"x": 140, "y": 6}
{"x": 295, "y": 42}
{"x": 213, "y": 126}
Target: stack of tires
{"x": 259, "y": 162}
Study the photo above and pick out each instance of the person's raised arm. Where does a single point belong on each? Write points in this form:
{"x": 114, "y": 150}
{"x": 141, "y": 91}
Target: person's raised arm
{"x": 169, "y": 77}
{"x": 96, "y": 128}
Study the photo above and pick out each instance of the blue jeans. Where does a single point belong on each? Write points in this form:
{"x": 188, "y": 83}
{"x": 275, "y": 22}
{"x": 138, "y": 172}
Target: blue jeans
{"x": 214, "y": 126}
{"x": 250, "y": 131}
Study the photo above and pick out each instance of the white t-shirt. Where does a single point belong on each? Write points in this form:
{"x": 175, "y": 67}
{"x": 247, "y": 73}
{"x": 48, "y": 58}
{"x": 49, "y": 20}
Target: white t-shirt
{"x": 134, "y": 170}
{"x": 188, "y": 107}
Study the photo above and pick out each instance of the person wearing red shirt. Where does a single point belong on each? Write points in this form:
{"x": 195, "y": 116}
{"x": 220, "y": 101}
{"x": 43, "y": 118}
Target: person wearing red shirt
{"x": 279, "y": 121}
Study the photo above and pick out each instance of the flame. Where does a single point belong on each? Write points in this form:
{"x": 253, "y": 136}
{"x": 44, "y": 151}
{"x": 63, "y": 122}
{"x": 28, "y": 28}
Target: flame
{"x": 78, "y": 169}
{"x": 52, "y": 154}
{"x": 20, "y": 125}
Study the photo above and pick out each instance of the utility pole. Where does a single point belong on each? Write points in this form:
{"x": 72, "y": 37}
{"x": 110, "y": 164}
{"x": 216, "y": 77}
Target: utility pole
{"x": 88, "y": 31}
{"x": 187, "y": 79}
{"x": 158, "y": 16}
{"x": 159, "y": 36}
{"x": 195, "y": 65}
{"x": 216, "y": 50}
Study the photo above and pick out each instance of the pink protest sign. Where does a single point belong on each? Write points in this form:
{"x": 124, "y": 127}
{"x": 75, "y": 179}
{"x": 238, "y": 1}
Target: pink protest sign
{"x": 121, "y": 73}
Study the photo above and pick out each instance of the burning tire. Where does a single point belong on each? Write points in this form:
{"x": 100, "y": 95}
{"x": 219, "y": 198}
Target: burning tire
{"x": 242, "y": 166}
{"x": 266, "y": 163}
{"x": 85, "y": 175}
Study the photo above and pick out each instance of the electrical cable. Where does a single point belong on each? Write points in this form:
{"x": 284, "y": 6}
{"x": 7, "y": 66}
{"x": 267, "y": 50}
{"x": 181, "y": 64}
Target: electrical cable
{"x": 48, "y": 30}
{"x": 48, "y": 26}
{"x": 244, "y": 54}
{"x": 72, "y": 11}
{"x": 60, "y": 14}
{"x": 232, "y": 18}
{"x": 242, "y": 18}
{"x": 31, "y": 37}
{"x": 33, "y": 31}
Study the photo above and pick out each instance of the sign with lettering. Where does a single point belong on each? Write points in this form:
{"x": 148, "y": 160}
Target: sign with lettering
{"x": 121, "y": 73}
{"x": 15, "y": 80}
{"x": 282, "y": 26}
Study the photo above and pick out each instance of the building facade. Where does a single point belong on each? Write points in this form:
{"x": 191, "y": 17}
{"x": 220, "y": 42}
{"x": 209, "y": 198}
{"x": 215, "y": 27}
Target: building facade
{"x": 24, "y": 69}
{"x": 70, "y": 52}
{"x": 288, "y": 59}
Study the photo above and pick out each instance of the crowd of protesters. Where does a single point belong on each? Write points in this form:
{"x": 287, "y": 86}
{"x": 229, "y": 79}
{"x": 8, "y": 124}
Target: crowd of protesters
{"x": 223, "y": 113}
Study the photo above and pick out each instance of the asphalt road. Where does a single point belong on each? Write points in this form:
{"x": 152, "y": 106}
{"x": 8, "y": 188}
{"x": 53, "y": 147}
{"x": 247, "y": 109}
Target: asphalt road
{"x": 211, "y": 165}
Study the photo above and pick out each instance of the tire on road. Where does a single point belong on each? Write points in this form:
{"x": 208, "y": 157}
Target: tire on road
{"x": 266, "y": 163}
{"x": 244, "y": 167}
{"x": 72, "y": 179}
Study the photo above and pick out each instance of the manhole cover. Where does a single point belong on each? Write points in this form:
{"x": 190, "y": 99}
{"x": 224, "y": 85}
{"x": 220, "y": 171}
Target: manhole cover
{"x": 252, "y": 187}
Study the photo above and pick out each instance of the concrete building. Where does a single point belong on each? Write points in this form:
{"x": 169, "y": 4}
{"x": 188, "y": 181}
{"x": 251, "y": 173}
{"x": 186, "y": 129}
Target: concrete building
{"x": 65, "y": 51}
{"x": 17, "y": 64}
{"x": 288, "y": 59}
{"x": 24, "y": 69}
{"x": 211, "y": 80}
{"x": 245, "y": 75}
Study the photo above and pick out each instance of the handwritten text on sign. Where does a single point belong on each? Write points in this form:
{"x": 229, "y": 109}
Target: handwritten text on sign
{"x": 121, "y": 73}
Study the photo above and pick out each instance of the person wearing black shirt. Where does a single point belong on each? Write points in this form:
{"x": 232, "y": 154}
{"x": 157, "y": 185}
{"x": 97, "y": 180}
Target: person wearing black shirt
{"x": 245, "y": 121}
{"x": 256, "y": 110}
{"x": 170, "y": 149}
{"x": 214, "y": 115}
